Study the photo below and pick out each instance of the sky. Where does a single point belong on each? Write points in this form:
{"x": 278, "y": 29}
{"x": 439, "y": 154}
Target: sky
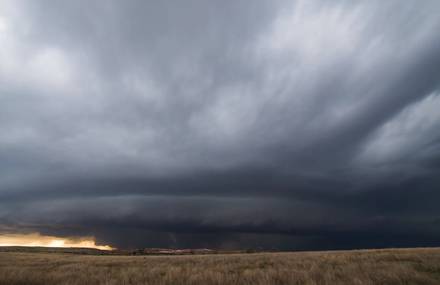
{"x": 287, "y": 125}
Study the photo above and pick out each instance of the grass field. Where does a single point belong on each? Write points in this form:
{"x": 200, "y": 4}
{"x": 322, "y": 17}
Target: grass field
{"x": 392, "y": 266}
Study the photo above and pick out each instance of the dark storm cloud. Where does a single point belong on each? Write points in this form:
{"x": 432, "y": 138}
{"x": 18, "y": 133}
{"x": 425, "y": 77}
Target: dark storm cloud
{"x": 295, "y": 124}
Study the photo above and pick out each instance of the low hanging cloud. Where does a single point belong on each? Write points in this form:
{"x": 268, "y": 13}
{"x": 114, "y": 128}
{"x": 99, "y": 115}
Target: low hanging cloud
{"x": 290, "y": 125}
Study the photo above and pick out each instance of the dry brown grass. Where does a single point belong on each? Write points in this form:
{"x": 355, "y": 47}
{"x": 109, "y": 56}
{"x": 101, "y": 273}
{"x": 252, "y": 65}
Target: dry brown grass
{"x": 396, "y": 266}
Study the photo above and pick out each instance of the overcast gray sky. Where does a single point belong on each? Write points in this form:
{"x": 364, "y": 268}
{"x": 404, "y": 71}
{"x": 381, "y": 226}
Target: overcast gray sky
{"x": 274, "y": 124}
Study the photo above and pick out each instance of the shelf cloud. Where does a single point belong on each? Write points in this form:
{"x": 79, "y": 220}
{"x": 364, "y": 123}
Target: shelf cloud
{"x": 227, "y": 124}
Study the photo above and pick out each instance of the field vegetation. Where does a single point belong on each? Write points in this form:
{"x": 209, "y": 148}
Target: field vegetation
{"x": 392, "y": 266}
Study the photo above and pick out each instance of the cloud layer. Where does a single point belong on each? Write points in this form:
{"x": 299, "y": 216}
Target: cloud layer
{"x": 295, "y": 124}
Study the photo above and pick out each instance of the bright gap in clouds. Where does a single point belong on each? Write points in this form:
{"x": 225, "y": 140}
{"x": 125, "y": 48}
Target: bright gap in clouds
{"x": 36, "y": 239}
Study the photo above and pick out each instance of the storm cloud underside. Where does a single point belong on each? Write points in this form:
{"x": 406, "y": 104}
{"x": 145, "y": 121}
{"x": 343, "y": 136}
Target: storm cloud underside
{"x": 229, "y": 124}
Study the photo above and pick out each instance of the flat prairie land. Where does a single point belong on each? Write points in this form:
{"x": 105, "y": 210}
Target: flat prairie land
{"x": 390, "y": 266}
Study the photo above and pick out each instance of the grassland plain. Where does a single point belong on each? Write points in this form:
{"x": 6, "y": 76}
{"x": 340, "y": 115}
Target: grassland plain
{"x": 391, "y": 266}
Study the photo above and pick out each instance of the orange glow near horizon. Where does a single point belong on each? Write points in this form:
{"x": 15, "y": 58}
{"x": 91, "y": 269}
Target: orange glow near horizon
{"x": 36, "y": 239}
